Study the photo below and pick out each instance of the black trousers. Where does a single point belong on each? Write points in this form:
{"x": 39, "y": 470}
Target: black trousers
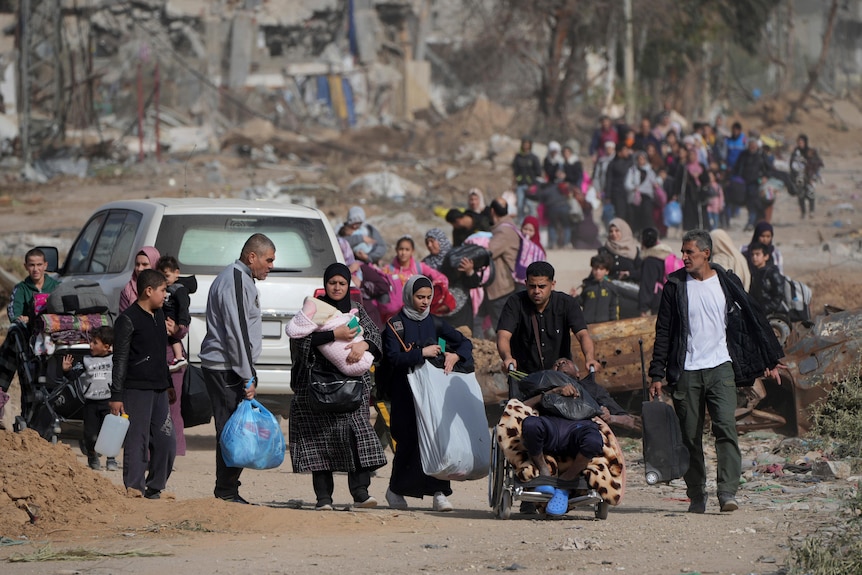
{"x": 357, "y": 482}
{"x": 94, "y": 413}
{"x": 150, "y": 448}
{"x": 226, "y": 392}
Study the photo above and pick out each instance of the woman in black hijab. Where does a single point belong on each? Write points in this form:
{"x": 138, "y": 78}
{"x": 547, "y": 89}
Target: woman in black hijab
{"x": 411, "y": 337}
{"x": 321, "y": 443}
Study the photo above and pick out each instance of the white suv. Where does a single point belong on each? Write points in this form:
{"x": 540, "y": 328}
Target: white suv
{"x": 205, "y": 236}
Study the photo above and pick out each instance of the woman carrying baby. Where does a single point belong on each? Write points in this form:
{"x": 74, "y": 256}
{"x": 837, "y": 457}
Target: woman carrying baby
{"x": 321, "y": 443}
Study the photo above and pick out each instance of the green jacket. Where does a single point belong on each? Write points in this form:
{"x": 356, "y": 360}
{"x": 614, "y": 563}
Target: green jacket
{"x": 21, "y": 300}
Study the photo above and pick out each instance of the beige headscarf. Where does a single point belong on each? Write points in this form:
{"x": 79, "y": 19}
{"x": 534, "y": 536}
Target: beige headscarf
{"x": 725, "y": 254}
{"x": 626, "y": 247}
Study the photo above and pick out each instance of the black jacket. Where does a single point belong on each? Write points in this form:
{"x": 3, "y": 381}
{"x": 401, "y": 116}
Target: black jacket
{"x": 767, "y": 289}
{"x": 751, "y": 343}
{"x": 140, "y": 357}
{"x": 526, "y": 168}
{"x": 651, "y": 284}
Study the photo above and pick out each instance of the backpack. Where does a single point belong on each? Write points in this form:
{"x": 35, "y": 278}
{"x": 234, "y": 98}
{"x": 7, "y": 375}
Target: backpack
{"x": 77, "y": 296}
{"x": 797, "y": 300}
{"x": 528, "y": 252}
{"x": 672, "y": 263}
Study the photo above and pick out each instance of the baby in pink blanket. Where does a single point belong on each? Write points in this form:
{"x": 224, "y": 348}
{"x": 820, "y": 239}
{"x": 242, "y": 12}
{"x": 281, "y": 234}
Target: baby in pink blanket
{"x": 317, "y": 315}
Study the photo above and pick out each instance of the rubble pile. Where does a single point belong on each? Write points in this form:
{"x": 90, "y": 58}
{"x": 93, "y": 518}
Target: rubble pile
{"x": 43, "y": 486}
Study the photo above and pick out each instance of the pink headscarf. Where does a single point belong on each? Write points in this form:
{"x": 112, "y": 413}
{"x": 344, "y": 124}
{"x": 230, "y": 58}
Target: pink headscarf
{"x": 129, "y": 295}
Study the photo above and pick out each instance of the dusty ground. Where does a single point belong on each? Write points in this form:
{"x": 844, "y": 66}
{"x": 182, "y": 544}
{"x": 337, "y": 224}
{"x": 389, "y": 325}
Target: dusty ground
{"x": 649, "y": 533}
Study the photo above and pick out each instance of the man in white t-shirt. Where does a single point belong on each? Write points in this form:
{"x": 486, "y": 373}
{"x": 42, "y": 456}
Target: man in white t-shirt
{"x": 710, "y": 338}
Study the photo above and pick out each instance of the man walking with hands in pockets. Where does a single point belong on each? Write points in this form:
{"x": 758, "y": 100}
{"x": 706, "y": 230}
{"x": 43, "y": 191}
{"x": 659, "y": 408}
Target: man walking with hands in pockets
{"x": 709, "y": 337}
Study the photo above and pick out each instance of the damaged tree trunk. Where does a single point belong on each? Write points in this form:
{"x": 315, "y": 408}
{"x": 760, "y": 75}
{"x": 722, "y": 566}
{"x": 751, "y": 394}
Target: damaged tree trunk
{"x": 814, "y": 73}
{"x": 556, "y": 73}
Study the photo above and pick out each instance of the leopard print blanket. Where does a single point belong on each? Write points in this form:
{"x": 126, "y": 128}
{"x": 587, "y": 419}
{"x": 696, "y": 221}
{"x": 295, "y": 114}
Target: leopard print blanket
{"x": 606, "y": 473}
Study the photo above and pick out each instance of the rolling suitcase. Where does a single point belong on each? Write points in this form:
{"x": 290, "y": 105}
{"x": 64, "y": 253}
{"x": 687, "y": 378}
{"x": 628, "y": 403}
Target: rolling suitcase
{"x": 665, "y": 456}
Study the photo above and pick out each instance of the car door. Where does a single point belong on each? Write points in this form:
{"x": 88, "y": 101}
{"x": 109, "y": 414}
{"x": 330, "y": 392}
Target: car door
{"x": 103, "y": 251}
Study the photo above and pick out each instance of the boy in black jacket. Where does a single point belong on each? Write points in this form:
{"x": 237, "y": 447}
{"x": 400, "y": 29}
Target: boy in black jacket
{"x": 767, "y": 283}
{"x": 598, "y": 298}
{"x": 141, "y": 387}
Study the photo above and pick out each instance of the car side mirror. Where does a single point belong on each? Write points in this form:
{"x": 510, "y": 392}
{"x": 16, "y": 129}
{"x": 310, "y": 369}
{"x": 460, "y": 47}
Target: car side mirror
{"x": 52, "y": 257}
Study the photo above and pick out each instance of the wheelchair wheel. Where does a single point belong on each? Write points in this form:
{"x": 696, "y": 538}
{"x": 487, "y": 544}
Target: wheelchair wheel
{"x": 651, "y": 478}
{"x": 504, "y": 511}
{"x": 496, "y": 474}
{"x": 602, "y": 509}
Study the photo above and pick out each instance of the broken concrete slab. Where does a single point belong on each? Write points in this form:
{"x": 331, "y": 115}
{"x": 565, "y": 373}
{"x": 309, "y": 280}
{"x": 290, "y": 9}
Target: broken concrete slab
{"x": 384, "y": 184}
{"x": 831, "y": 469}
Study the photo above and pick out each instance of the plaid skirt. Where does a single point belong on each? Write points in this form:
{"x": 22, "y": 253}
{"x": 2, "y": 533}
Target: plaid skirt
{"x": 332, "y": 441}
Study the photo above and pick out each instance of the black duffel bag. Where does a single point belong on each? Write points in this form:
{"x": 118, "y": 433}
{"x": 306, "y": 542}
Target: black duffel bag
{"x": 480, "y": 256}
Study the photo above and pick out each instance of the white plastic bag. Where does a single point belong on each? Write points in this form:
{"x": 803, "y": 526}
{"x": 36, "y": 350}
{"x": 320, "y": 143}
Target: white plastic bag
{"x": 454, "y": 441}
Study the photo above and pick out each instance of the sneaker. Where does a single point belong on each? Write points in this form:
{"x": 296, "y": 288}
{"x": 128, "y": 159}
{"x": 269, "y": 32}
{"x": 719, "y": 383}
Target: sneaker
{"x": 177, "y": 364}
{"x": 366, "y": 503}
{"x": 234, "y": 499}
{"x": 727, "y": 502}
{"x": 698, "y": 504}
{"x": 323, "y": 506}
{"x": 441, "y": 503}
{"x": 395, "y": 501}
{"x": 111, "y": 464}
{"x": 152, "y": 494}
{"x": 93, "y": 462}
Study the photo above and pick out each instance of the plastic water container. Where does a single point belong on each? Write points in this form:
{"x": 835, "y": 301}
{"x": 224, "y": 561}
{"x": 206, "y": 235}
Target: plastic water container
{"x": 112, "y": 434}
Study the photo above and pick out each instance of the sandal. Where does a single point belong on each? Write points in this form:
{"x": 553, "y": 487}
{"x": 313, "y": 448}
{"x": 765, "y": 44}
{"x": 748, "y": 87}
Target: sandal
{"x": 547, "y": 489}
{"x": 559, "y": 503}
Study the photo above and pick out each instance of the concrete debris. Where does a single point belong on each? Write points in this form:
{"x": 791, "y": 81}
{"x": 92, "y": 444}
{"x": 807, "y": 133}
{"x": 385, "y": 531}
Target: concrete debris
{"x": 831, "y": 469}
{"x": 385, "y": 185}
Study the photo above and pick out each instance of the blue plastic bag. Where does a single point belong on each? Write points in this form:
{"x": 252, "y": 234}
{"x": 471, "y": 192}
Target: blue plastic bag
{"x": 252, "y": 438}
{"x": 672, "y": 214}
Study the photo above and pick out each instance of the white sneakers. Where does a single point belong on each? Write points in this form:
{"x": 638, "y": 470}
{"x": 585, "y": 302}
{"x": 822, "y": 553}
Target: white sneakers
{"x": 395, "y": 501}
{"x": 441, "y": 503}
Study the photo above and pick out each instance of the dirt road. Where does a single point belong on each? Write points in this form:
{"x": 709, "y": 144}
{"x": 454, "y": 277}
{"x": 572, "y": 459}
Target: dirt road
{"x": 649, "y": 533}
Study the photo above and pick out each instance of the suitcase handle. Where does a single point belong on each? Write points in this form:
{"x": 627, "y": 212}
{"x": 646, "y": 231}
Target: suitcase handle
{"x": 643, "y": 370}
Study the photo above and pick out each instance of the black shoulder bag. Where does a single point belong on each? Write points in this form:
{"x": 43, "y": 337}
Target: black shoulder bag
{"x": 329, "y": 390}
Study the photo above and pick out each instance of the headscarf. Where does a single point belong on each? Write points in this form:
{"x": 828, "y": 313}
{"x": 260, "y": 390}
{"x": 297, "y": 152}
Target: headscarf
{"x": 477, "y": 192}
{"x": 433, "y": 261}
{"x": 536, "y": 238}
{"x": 337, "y": 269}
{"x": 413, "y": 285}
{"x": 129, "y": 295}
{"x": 725, "y": 254}
{"x": 355, "y": 215}
{"x": 759, "y": 229}
{"x": 626, "y": 246}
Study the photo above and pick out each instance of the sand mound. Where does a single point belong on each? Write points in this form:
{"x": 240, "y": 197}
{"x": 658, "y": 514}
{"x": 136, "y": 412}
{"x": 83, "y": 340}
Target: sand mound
{"x": 43, "y": 487}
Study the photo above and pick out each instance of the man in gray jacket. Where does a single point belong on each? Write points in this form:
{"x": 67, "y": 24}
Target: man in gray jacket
{"x": 232, "y": 344}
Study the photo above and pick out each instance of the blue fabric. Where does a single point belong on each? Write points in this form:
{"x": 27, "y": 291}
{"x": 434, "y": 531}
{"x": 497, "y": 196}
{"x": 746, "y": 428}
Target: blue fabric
{"x": 323, "y": 94}
{"x": 348, "y": 101}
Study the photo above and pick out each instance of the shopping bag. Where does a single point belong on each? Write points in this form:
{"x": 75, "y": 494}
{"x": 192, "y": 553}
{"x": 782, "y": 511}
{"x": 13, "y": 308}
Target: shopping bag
{"x": 454, "y": 443}
{"x": 252, "y": 438}
{"x": 195, "y": 405}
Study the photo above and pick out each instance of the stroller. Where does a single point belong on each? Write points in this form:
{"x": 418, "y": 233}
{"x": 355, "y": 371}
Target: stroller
{"x": 505, "y": 487}
{"x": 47, "y": 397}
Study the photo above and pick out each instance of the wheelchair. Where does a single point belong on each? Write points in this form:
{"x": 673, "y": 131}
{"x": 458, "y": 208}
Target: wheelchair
{"x": 505, "y": 489}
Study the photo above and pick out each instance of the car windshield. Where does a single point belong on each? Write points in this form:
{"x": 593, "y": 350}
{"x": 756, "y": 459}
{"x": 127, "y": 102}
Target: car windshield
{"x": 206, "y": 244}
